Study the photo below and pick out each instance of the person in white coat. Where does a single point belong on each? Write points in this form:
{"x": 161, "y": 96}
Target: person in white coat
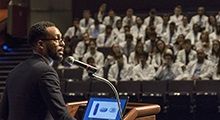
{"x": 86, "y": 21}
{"x": 138, "y": 30}
{"x": 153, "y": 19}
{"x": 82, "y": 47}
{"x": 194, "y": 34}
{"x": 130, "y": 18}
{"x": 199, "y": 69}
{"x": 216, "y": 34}
{"x": 120, "y": 71}
{"x": 215, "y": 52}
{"x": 106, "y": 39}
{"x": 96, "y": 29}
{"x": 98, "y": 56}
{"x": 91, "y": 61}
{"x": 201, "y": 19}
{"x": 169, "y": 70}
{"x": 111, "y": 19}
{"x": 187, "y": 54}
{"x": 143, "y": 71}
{"x": 74, "y": 31}
{"x": 177, "y": 16}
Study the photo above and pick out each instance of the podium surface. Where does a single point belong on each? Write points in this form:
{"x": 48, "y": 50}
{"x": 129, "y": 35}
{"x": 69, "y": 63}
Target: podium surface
{"x": 134, "y": 111}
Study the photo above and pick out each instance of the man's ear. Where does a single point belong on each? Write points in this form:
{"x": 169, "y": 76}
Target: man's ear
{"x": 40, "y": 44}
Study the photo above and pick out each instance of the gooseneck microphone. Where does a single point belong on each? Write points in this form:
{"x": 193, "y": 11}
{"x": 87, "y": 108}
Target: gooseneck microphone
{"x": 71, "y": 60}
{"x": 91, "y": 70}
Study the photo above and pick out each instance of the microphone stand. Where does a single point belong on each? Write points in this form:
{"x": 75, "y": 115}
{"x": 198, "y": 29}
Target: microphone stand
{"x": 112, "y": 87}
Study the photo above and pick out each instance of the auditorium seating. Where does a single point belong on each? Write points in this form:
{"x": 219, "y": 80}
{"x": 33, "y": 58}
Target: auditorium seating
{"x": 130, "y": 88}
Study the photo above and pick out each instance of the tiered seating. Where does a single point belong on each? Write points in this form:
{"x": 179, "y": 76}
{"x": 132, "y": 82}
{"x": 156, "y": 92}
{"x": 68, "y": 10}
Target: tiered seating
{"x": 8, "y": 60}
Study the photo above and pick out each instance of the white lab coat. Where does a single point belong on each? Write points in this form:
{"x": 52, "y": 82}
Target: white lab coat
{"x": 125, "y": 75}
{"x": 148, "y": 73}
{"x": 181, "y": 56}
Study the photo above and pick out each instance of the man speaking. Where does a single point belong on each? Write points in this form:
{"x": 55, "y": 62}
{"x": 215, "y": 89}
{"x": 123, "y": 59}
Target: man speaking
{"x": 33, "y": 89}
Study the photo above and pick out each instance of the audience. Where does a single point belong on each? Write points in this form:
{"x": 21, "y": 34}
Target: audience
{"x": 92, "y": 52}
{"x": 163, "y": 47}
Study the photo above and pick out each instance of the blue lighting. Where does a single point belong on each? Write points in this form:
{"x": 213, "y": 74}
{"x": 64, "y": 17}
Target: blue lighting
{"x": 6, "y": 48}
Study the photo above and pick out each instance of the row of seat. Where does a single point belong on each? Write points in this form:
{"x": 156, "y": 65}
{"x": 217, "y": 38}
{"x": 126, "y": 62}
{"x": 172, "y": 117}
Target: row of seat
{"x": 185, "y": 97}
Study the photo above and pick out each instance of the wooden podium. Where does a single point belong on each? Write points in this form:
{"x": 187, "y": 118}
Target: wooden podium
{"x": 134, "y": 111}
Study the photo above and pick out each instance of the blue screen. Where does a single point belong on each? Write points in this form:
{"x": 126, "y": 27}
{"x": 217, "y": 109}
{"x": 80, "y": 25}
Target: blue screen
{"x": 103, "y": 109}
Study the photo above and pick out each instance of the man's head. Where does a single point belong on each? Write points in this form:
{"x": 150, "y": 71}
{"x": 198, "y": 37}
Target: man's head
{"x": 168, "y": 57}
{"x": 143, "y": 58}
{"x": 187, "y": 45}
{"x": 129, "y": 12}
{"x": 92, "y": 46}
{"x": 120, "y": 60}
{"x": 91, "y": 61}
{"x": 86, "y": 38}
{"x": 111, "y": 13}
{"x": 86, "y": 14}
{"x": 139, "y": 21}
{"x": 201, "y": 10}
{"x": 108, "y": 29}
{"x": 46, "y": 39}
{"x": 201, "y": 55}
{"x": 178, "y": 10}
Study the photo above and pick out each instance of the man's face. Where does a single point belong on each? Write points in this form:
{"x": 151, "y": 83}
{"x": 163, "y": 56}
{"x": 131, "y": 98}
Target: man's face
{"x": 168, "y": 59}
{"x": 143, "y": 60}
{"x": 129, "y": 12}
{"x": 111, "y": 13}
{"x": 200, "y": 54}
{"x": 54, "y": 47}
{"x": 92, "y": 46}
{"x": 86, "y": 39}
{"x": 187, "y": 46}
{"x": 201, "y": 11}
{"x": 177, "y": 11}
{"x": 139, "y": 21}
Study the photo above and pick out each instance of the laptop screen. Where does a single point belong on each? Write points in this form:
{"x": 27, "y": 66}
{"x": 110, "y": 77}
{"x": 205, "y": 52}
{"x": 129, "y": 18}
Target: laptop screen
{"x": 103, "y": 109}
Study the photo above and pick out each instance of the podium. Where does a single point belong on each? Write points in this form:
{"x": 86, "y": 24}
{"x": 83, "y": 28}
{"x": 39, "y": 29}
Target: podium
{"x": 134, "y": 111}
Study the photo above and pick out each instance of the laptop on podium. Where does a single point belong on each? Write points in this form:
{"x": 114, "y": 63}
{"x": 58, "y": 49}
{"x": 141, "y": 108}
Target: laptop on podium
{"x": 100, "y": 108}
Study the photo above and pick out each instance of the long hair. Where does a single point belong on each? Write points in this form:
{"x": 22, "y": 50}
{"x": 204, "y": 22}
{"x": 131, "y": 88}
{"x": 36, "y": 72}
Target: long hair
{"x": 216, "y": 53}
{"x": 218, "y": 67}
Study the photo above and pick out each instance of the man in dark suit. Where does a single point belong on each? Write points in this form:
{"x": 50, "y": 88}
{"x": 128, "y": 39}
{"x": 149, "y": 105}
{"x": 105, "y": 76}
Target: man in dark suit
{"x": 33, "y": 89}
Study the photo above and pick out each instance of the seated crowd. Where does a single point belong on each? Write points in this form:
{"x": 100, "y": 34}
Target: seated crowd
{"x": 167, "y": 47}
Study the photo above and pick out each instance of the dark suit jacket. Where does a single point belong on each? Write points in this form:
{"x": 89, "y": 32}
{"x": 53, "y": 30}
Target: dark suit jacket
{"x": 33, "y": 93}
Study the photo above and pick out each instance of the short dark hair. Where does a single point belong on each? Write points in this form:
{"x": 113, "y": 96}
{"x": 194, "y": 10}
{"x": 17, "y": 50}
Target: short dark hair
{"x": 187, "y": 41}
{"x": 38, "y": 31}
{"x": 145, "y": 55}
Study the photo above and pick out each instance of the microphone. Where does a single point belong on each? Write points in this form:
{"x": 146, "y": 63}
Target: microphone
{"x": 71, "y": 60}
